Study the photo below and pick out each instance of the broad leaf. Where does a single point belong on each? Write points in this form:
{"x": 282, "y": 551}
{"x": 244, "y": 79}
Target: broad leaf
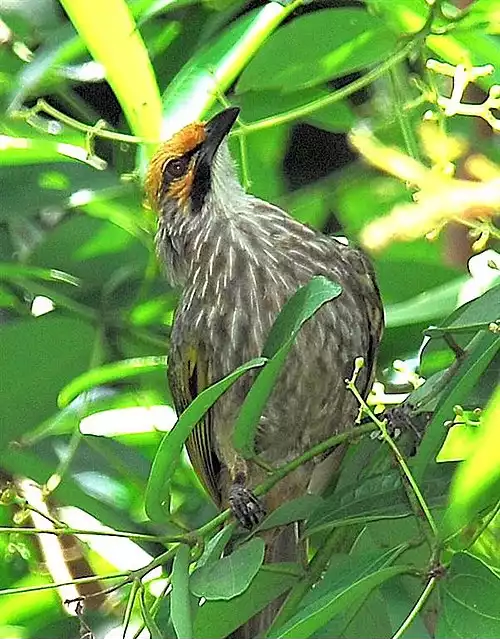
{"x": 231, "y": 575}
{"x": 375, "y": 498}
{"x": 215, "y": 546}
{"x": 470, "y": 595}
{"x": 293, "y": 510}
{"x": 339, "y": 41}
{"x": 217, "y": 619}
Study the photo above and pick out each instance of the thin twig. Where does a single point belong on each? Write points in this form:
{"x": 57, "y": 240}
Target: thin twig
{"x": 416, "y": 608}
{"x": 399, "y": 457}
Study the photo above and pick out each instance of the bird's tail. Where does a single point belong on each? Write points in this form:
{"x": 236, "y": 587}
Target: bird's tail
{"x": 284, "y": 546}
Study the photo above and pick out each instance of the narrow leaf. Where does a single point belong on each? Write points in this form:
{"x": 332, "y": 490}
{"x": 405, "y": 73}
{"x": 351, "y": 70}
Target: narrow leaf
{"x": 147, "y": 617}
{"x": 109, "y": 373}
{"x": 477, "y": 480}
{"x": 375, "y": 498}
{"x": 190, "y": 94}
{"x": 169, "y": 451}
{"x": 215, "y": 547}
{"x": 111, "y": 35}
{"x": 305, "y": 623}
{"x": 298, "y": 309}
{"x": 14, "y": 271}
{"x": 180, "y": 607}
{"x": 294, "y": 510}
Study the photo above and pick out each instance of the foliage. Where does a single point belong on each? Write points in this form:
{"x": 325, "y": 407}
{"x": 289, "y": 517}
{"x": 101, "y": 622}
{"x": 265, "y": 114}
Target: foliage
{"x": 402, "y": 546}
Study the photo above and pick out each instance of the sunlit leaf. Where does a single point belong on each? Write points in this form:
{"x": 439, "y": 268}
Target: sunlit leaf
{"x": 477, "y": 481}
{"x": 480, "y": 352}
{"x": 109, "y": 373}
{"x": 339, "y": 41}
{"x": 111, "y": 36}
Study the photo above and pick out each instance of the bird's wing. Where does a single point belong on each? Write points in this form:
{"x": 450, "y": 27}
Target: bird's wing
{"x": 188, "y": 376}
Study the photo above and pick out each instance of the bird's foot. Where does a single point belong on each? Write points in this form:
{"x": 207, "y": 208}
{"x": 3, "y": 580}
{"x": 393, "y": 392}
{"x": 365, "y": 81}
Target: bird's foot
{"x": 245, "y": 506}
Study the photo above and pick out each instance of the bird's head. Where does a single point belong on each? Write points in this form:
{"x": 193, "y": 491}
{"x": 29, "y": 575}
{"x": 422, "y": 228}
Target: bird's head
{"x": 185, "y": 170}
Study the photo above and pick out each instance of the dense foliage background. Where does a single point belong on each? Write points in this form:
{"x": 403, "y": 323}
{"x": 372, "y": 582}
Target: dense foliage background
{"x": 346, "y": 124}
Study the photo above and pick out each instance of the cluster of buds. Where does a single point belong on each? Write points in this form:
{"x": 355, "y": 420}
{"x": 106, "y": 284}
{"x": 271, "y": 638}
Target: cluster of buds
{"x": 462, "y": 76}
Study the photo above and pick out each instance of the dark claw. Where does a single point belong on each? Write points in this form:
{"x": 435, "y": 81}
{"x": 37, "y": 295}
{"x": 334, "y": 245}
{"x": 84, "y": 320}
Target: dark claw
{"x": 247, "y": 509}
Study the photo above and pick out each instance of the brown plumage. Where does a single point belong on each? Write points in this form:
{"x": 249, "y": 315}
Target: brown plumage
{"x": 237, "y": 260}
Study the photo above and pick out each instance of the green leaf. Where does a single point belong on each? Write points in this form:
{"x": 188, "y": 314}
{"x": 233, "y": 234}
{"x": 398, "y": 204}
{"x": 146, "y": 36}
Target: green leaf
{"x": 297, "y": 310}
{"x": 481, "y": 350}
{"x": 398, "y": 602}
{"x": 91, "y": 249}
{"x": 481, "y": 310}
{"x": 231, "y": 575}
{"x": 470, "y": 595}
{"x": 39, "y": 356}
{"x": 476, "y": 484}
{"x": 44, "y": 73}
{"x": 341, "y": 572}
{"x": 180, "y": 607}
{"x": 190, "y": 94}
{"x": 16, "y": 460}
{"x": 169, "y": 451}
{"x": 408, "y": 16}
{"x": 376, "y": 498}
{"x": 51, "y": 184}
{"x": 260, "y": 104}
{"x": 318, "y": 47}
{"x": 433, "y": 304}
{"x": 293, "y": 510}
{"x": 460, "y": 443}
{"x": 19, "y": 151}
{"x": 111, "y": 36}
{"x": 215, "y": 546}
{"x": 217, "y": 619}
{"x": 319, "y": 612}
{"x": 148, "y": 618}
{"x": 481, "y": 14}
{"x": 109, "y": 373}
{"x": 12, "y": 272}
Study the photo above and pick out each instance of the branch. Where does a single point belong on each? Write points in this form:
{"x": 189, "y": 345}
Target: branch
{"x": 415, "y": 492}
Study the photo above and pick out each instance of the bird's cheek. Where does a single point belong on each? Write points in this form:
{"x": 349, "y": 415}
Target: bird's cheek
{"x": 180, "y": 191}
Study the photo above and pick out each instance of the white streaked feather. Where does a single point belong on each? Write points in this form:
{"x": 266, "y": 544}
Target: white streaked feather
{"x": 231, "y": 259}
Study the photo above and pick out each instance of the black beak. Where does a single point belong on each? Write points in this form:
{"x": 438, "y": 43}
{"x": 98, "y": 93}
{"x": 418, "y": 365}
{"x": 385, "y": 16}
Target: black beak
{"x": 216, "y": 129}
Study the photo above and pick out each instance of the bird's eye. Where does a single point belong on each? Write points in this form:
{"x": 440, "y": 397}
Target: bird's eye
{"x": 177, "y": 167}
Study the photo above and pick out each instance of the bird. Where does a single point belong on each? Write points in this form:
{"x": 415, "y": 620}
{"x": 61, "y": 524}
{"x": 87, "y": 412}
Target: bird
{"x": 237, "y": 259}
